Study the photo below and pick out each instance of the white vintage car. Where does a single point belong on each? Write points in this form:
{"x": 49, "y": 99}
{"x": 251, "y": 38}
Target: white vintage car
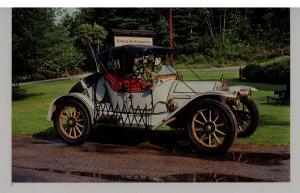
{"x": 136, "y": 87}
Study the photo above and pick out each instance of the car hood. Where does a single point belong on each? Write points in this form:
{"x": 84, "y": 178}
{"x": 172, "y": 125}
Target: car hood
{"x": 196, "y": 86}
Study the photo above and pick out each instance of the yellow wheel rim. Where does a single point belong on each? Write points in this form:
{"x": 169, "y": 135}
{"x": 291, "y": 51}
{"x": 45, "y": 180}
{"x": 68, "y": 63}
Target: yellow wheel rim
{"x": 71, "y": 122}
{"x": 208, "y": 128}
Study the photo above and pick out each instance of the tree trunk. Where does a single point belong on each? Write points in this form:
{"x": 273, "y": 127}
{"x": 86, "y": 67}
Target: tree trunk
{"x": 209, "y": 27}
{"x": 224, "y": 25}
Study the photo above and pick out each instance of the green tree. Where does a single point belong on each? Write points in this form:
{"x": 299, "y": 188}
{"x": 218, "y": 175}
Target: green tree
{"x": 219, "y": 35}
{"x": 61, "y": 53}
{"x": 28, "y": 28}
{"x": 39, "y": 44}
{"x": 92, "y": 38}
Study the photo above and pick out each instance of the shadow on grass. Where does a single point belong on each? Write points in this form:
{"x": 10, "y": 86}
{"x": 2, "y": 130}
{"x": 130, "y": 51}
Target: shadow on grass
{"x": 21, "y": 94}
{"x": 284, "y": 104}
{"x": 127, "y": 136}
{"x": 266, "y": 120}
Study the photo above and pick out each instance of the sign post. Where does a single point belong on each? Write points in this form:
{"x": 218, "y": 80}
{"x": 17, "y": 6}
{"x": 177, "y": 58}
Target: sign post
{"x": 171, "y": 35}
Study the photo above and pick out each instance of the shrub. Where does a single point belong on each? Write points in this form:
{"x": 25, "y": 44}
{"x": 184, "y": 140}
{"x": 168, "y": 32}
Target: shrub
{"x": 273, "y": 73}
{"x": 37, "y": 76}
{"x": 53, "y": 75}
{"x": 247, "y": 72}
{"x": 75, "y": 71}
{"x": 48, "y": 74}
{"x": 23, "y": 78}
{"x": 45, "y": 73}
{"x": 258, "y": 74}
{"x": 278, "y": 72}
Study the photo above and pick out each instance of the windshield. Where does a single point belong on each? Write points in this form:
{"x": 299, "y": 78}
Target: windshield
{"x": 166, "y": 70}
{"x": 149, "y": 66}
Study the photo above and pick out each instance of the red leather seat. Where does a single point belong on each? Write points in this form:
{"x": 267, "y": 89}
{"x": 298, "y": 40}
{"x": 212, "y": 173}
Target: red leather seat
{"x": 116, "y": 83}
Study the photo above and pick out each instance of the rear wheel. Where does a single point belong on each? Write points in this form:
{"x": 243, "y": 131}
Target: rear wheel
{"x": 72, "y": 122}
{"x": 211, "y": 126}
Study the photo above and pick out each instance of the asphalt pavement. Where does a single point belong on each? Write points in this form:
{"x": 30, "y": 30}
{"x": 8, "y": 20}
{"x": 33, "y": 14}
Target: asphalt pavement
{"x": 143, "y": 156}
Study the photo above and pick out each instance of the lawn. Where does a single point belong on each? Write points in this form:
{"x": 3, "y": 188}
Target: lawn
{"x": 30, "y": 107}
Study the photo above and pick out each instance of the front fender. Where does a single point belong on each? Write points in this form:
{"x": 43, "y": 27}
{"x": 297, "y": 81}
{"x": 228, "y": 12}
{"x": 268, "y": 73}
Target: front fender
{"x": 86, "y": 101}
{"x": 206, "y": 95}
{"x": 242, "y": 90}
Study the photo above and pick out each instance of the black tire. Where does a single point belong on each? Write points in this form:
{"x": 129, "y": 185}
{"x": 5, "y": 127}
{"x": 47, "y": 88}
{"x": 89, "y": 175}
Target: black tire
{"x": 211, "y": 126}
{"x": 247, "y": 116}
{"x": 72, "y": 122}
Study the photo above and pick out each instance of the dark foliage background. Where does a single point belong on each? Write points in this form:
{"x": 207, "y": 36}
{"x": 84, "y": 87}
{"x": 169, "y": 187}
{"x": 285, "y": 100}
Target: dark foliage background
{"x": 203, "y": 36}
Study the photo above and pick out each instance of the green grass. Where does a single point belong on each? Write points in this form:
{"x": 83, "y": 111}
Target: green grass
{"x": 281, "y": 59}
{"x": 30, "y": 105}
{"x": 213, "y": 75}
{"x": 30, "y": 108}
{"x": 274, "y": 126}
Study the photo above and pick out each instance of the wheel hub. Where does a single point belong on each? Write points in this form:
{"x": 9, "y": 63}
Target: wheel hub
{"x": 71, "y": 122}
{"x": 209, "y": 127}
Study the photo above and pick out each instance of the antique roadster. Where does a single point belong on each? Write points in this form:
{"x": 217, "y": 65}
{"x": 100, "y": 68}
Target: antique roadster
{"x": 137, "y": 87}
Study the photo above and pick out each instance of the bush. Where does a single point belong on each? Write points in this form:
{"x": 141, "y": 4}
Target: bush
{"x": 45, "y": 73}
{"x": 272, "y": 73}
{"x": 75, "y": 71}
{"x": 258, "y": 74}
{"x": 23, "y": 78}
{"x": 48, "y": 74}
{"x": 247, "y": 72}
{"x": 37, "y": 76}
{"x": 278, "y": 72}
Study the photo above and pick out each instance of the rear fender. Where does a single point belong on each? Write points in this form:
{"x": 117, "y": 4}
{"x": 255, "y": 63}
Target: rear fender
{"x": 85, "y": 100}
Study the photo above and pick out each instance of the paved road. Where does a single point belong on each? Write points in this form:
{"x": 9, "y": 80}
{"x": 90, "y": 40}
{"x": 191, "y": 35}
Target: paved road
{"x": 146, "y": 156}
{"x": 86, "y": 74}
{"x": 56, "y": 79}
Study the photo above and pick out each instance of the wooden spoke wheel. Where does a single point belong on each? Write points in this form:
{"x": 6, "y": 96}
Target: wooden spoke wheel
{"x": 211, "y": 126}
{"x": 72, "y": 122}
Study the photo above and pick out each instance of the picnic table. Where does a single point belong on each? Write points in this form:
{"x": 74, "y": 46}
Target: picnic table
{"x": 282, "y": 96}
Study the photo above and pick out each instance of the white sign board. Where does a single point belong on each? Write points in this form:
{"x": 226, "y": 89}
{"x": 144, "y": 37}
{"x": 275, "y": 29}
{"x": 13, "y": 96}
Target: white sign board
{"x": 121, "y": 40}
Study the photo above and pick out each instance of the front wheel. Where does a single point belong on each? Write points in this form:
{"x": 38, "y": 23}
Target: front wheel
{"x": 211, "y": 126}
{"x": 72, "y": 122}
{"x": 247, "y": 116}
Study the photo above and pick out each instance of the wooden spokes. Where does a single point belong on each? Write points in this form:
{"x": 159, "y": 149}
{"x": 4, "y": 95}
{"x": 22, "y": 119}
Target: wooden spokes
{"x": 209, "y": 127}
{"x": 71, "y": 122}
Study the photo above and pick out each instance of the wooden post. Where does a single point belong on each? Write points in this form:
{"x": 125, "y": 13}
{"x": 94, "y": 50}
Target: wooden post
{"x": 171, "y": 35}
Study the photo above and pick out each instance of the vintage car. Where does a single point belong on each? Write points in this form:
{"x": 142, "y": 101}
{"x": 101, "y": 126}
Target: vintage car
{"x": 137, "y": 87}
